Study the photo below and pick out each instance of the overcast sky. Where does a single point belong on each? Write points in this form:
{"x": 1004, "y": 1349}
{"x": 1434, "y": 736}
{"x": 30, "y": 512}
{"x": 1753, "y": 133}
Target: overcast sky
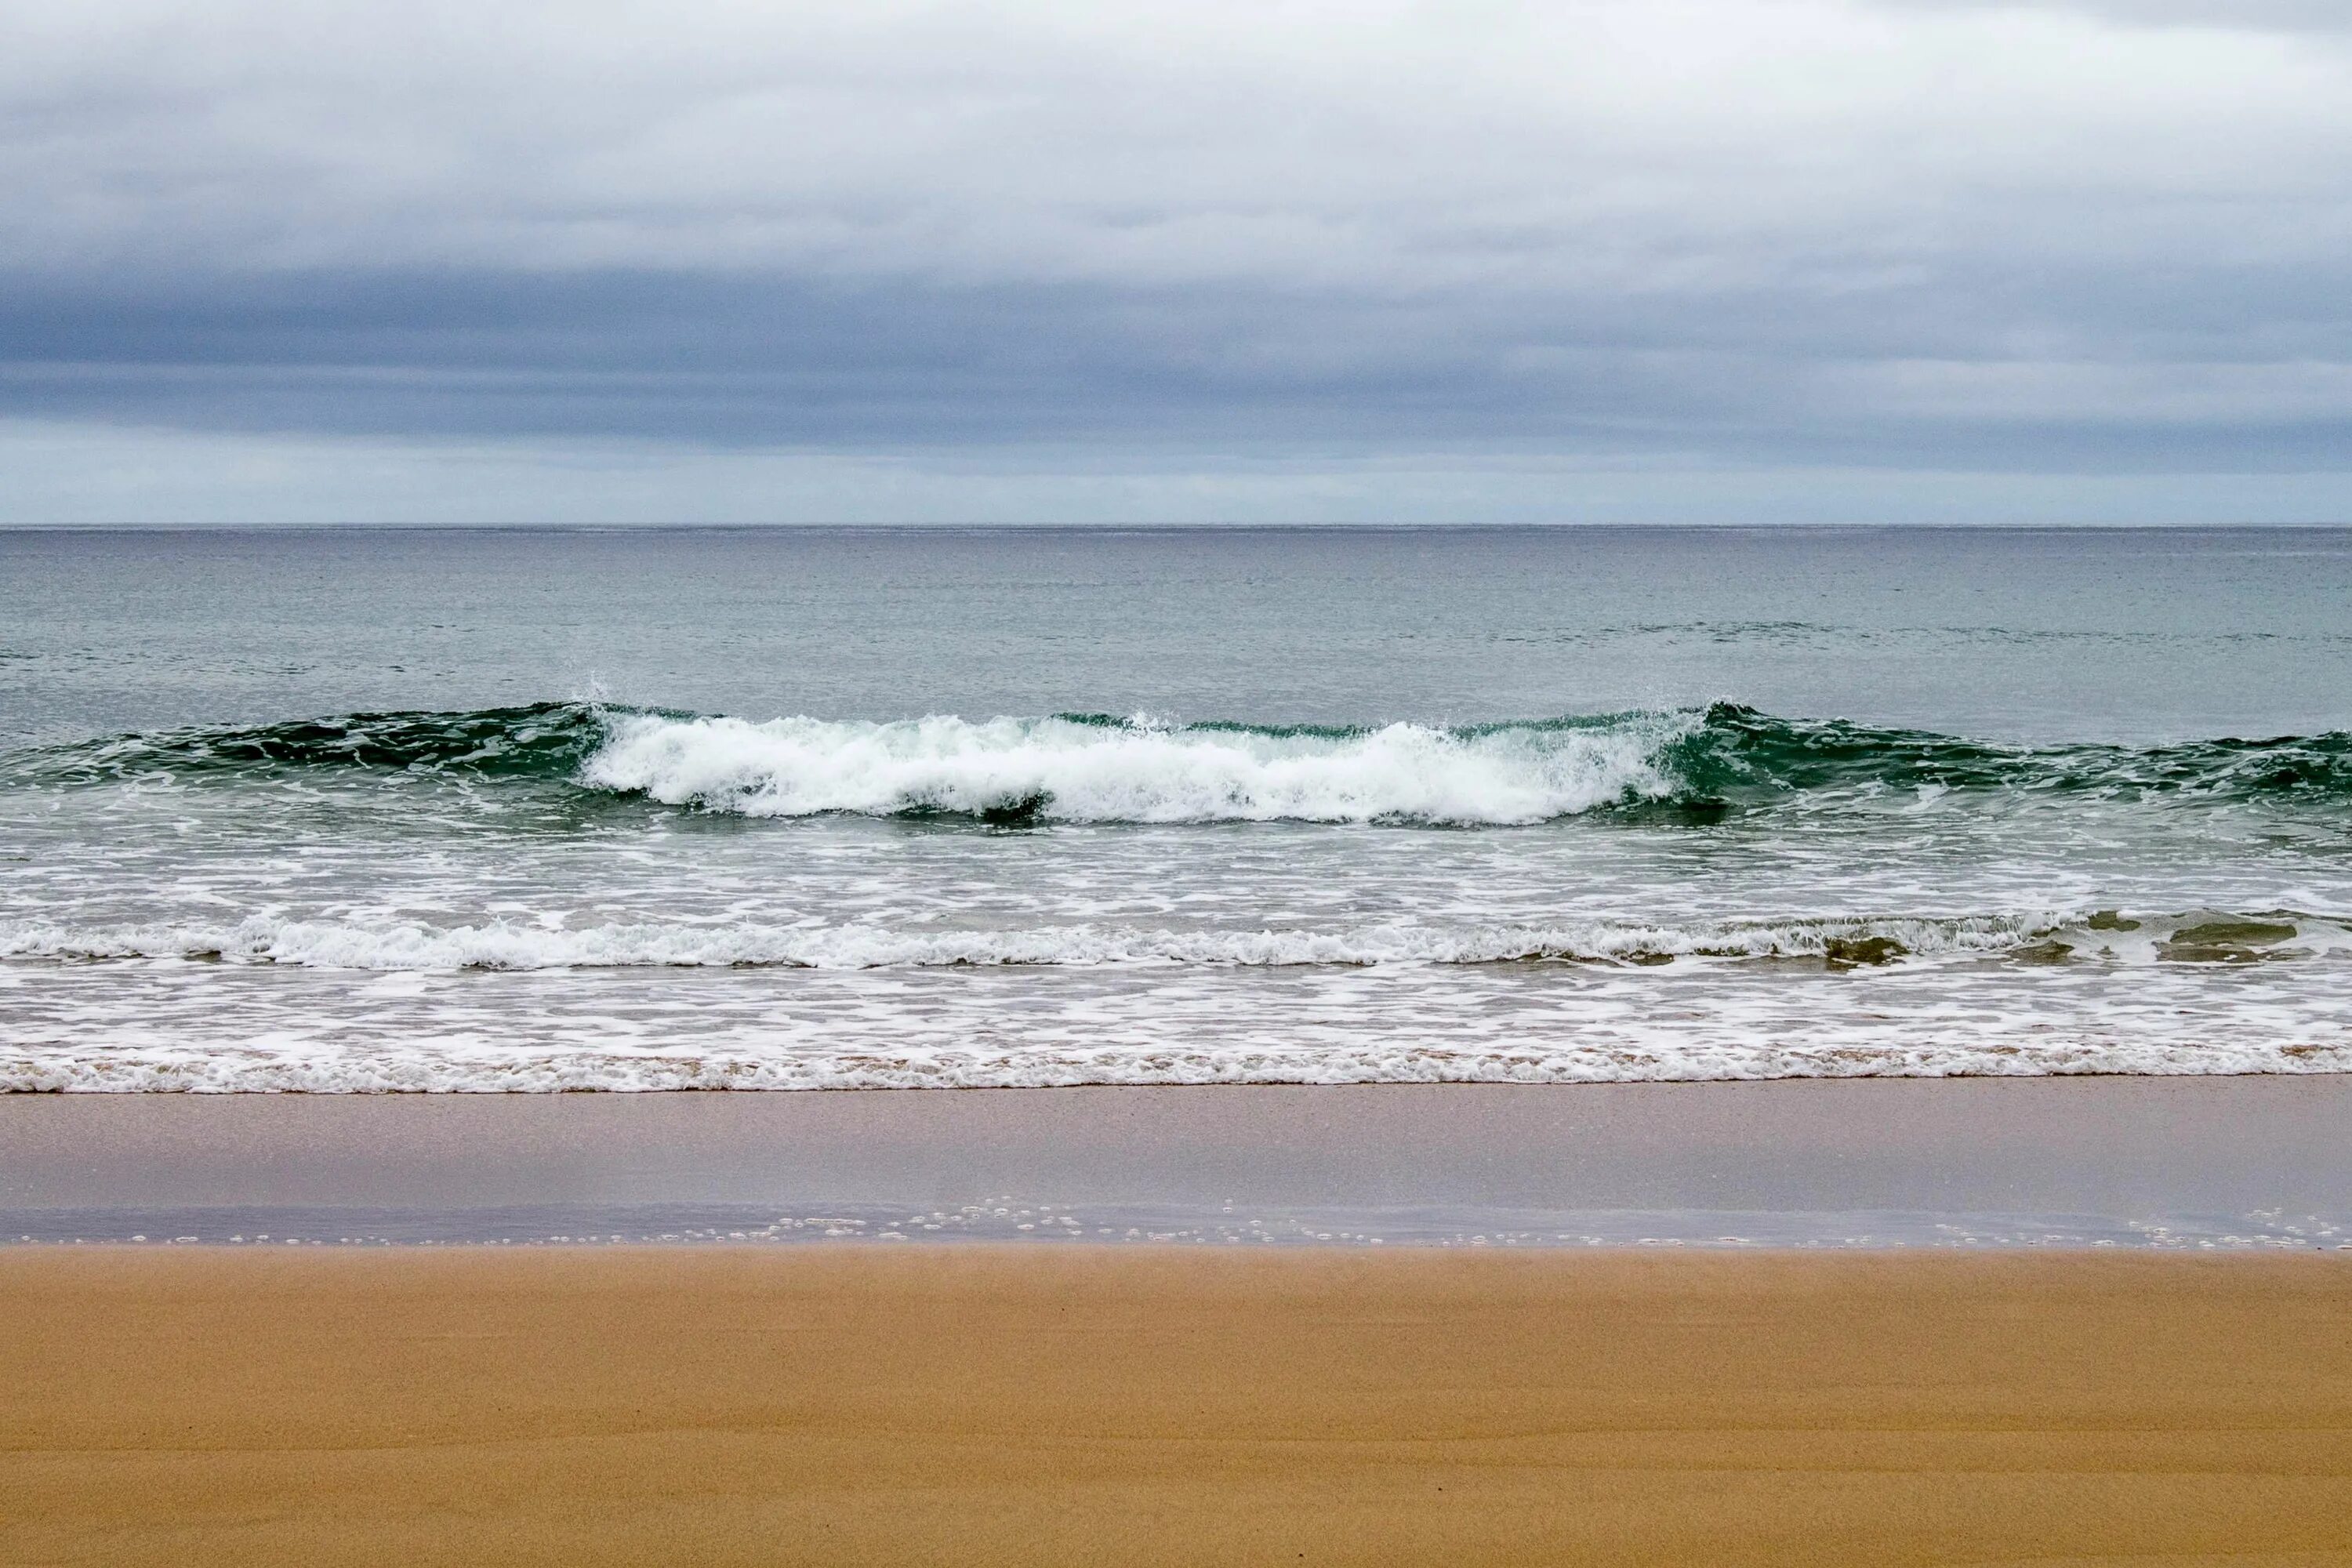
{"x": 1812, "y": 260}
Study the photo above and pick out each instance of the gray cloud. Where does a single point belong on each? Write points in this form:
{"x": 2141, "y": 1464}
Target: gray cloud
{"x": 1928, "y": 234}
{"x": 2224, "y": 15}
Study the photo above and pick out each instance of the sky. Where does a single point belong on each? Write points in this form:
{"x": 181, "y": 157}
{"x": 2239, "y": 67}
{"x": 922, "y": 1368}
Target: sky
{"x": 1620, "y": 260}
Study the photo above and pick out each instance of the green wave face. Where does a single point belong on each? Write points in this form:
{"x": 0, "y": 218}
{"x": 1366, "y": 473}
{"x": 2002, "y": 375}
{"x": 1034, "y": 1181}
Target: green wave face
{"x": 1696, "y": 764}
{"x": 543, "y": 740}
{"x": 1738, "y": 753}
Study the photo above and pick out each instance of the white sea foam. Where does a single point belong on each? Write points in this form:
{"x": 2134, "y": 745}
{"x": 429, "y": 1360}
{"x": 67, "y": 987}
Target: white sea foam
{"x": 870, "y": 1030}
{"x": 398, "y": 946}
{"x": 1081, "y": 771}
{"x": 1109, "y": 1004}
{"x": 325, "y": 1071}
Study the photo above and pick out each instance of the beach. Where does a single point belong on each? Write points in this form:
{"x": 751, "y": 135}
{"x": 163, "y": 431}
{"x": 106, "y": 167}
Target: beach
{"x": 1190, "y": 1045}
{"x": 1092, "y": 1405}
{"x": 1873, "y": 1321}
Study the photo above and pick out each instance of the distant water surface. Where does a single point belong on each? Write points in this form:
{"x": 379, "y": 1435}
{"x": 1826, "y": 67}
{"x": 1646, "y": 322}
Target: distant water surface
{"x": 367, "y": 809}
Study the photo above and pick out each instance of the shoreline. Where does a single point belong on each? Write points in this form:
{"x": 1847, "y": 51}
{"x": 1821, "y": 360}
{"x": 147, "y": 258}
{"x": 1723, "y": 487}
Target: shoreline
{"x": 2256, "y": 1160}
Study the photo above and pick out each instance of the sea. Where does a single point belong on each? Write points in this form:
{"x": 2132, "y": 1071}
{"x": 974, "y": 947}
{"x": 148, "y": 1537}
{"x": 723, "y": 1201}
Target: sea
{"x": 554, "y": 809}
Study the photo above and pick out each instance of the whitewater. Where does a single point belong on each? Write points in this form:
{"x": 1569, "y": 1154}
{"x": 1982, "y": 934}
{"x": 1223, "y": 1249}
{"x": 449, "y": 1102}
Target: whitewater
{"x": 1072, "y": 769}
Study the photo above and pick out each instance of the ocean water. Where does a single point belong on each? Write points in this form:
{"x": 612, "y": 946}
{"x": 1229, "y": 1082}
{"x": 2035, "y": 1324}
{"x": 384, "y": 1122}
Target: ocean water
{"x": 385, "y": 809}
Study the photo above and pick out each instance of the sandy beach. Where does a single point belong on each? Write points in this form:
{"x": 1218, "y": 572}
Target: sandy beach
{"x": 1085, "y": 1405}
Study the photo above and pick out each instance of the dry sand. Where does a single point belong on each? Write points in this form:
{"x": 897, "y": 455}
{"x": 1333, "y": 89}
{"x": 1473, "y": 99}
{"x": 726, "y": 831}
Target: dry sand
{"x": 1116, "y": 1406}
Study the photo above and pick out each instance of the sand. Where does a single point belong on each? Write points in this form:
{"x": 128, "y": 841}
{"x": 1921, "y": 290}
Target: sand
{"x": 1000, "y": 1404}
{"x": 1790, "y": 1161}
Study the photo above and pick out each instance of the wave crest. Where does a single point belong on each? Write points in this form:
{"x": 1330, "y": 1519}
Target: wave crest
{"x": 1082, "y": 769}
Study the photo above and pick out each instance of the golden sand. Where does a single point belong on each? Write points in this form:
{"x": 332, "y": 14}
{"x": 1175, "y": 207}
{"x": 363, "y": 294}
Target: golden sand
{"x": 1026, "y": 1406}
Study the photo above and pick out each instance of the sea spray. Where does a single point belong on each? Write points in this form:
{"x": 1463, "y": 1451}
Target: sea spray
{"x": 1066, "y": 769}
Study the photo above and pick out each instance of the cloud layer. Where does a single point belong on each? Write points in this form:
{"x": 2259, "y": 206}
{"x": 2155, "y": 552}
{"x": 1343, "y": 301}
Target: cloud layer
{"x": 1935, "y": 234}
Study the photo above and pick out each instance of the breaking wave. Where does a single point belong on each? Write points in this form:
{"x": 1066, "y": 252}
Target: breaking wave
{"x": 1090, "y": 769}
{"x": 1697, "y": 763}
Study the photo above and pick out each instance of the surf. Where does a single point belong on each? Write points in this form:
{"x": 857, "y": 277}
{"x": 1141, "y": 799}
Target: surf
{"x": 1684, "y": 765}
{"x": 1832, "y": 943}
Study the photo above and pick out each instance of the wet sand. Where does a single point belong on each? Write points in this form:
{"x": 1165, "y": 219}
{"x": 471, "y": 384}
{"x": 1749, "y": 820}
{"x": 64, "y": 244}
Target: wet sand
{"x": 1031, "y": 1406}
{"x": 1789, "y": 1162}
